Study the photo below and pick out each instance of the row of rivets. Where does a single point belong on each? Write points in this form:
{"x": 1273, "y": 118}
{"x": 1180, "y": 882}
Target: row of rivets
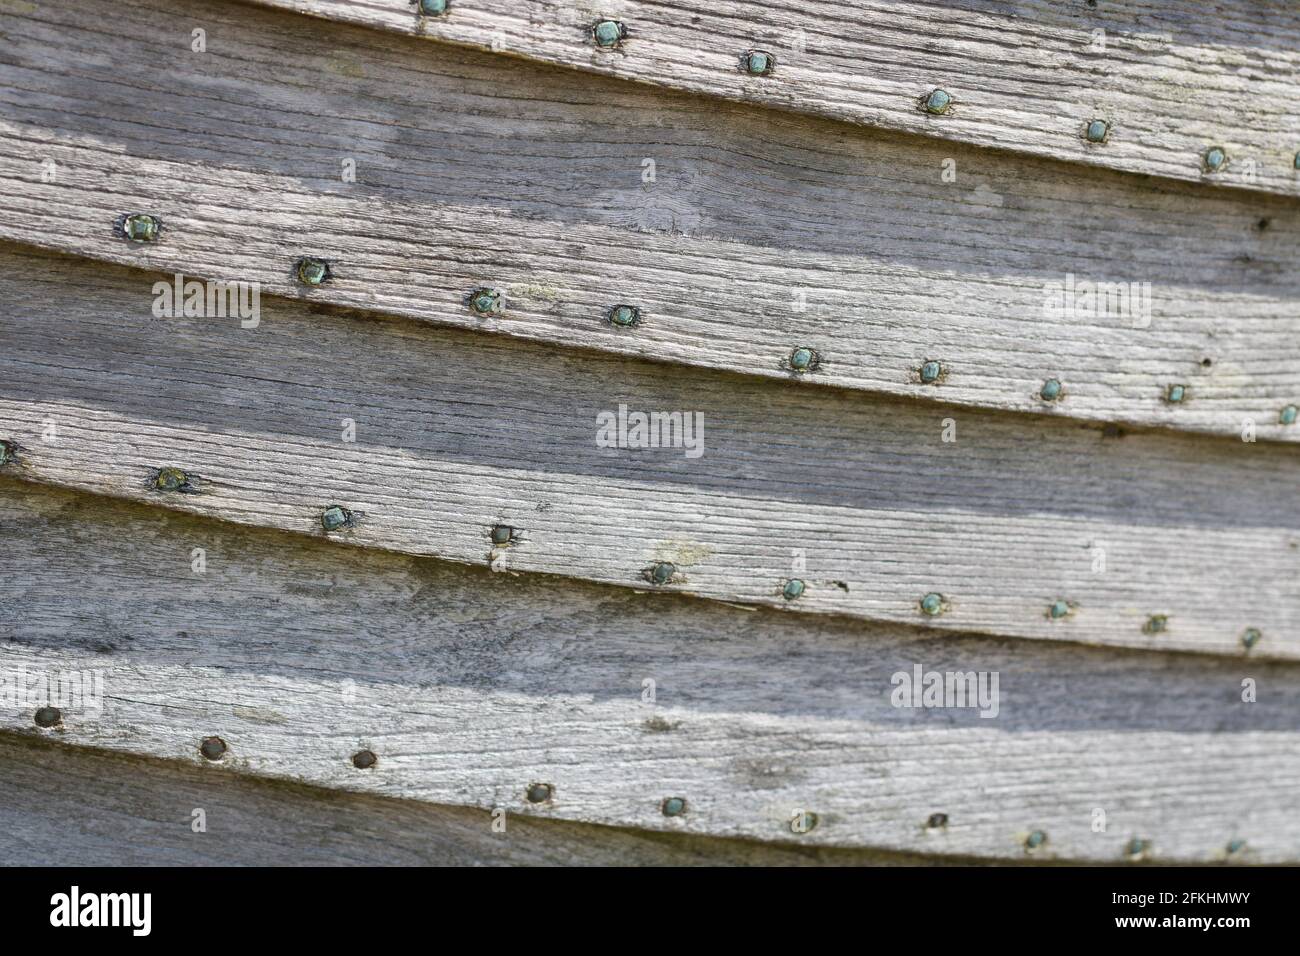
{"x": 485, "y": 301}
{"x": 931, "y": 371}
{"x": 609, "y": 34}
{"x": 933, "y": 604}
{"x": 214, "y": 748}
{"x": 1136, "y": 848}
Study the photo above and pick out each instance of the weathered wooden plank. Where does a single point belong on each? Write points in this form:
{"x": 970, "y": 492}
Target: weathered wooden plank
{"x": 469, "y": 688}
{"x": 137, "y": 812}
{"x": 1172, "y": 80}
{"x": 864, "y": 500}
{"x": 761, "y": 233}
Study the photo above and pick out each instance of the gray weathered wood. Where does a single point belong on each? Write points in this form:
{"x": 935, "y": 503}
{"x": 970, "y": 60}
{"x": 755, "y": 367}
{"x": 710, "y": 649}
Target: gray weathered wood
{"x": 69, "y": 806}
{"x": 470, "y": 686}
{"x": 1173, "y": 79}
{"x": 762, "y": 232}
{"x": 861, "y": 498}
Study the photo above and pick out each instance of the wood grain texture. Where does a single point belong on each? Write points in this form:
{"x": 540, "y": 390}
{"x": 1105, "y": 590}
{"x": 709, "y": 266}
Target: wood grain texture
{"x": 762, "y": 232}
{"x": 72, "y": 806}
{"x": 1172, "y": 79}
{"x": 862, "y": 499}
{"x": 469, "y": 687}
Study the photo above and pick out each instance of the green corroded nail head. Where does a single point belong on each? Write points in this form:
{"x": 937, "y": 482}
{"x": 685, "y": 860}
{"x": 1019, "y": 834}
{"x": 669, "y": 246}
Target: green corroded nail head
{"x": 1059, "y": 609}
{"x": 140, "y": 227}
{"x": 938, "y": 102}
{"x": 1155, "y": 624}
{"x": 624, "y": 316}
{"x": 1096, "y": 131}
{"x": 1050, "y": 391}
{"x": 1236, "y": 846}
{"x": 1137, "y": 847}
{"x": 1251, "y": 636}
{"x": 757, "y": 62}
{"x": 48, "y": 717}
{"x": 313, "y": 271}
{"x": 502, "y": 533}
{"x": 937, "y": 820}
{"x": 803, "y": 359}
{"x": 662, "y": 572}
{"x": 674, "y": 807}
{"x": 335, "y": 517}
{"x": 171, "y": 479}
{"x": 1035, "y": 839}
{"x": 932, "y": 604}
{"x": 793, "y": 589}
{"x": 930, "y": 372}
{"x": 434, "y": 8}
{"x": 485, "y": 301}
{"x": 1215, "y": 159}
{"x": 364, "y": 759}
{"x": 539, "y": 792}
{"x": 609, "y": 33}
{"x": 7, "y": 452}
{"x": 1287, "y": 416}
{"x": 1175, "y": 394}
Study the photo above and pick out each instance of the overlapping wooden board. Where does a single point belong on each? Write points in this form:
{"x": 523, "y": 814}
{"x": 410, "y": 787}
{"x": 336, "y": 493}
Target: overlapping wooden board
{"x": 130, "y": 811}
{"x": 451, "y": 433}
{"x": 470, "y": 687}
{"x": 760, "y": 233}
{"x": 1171, "y": 79}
